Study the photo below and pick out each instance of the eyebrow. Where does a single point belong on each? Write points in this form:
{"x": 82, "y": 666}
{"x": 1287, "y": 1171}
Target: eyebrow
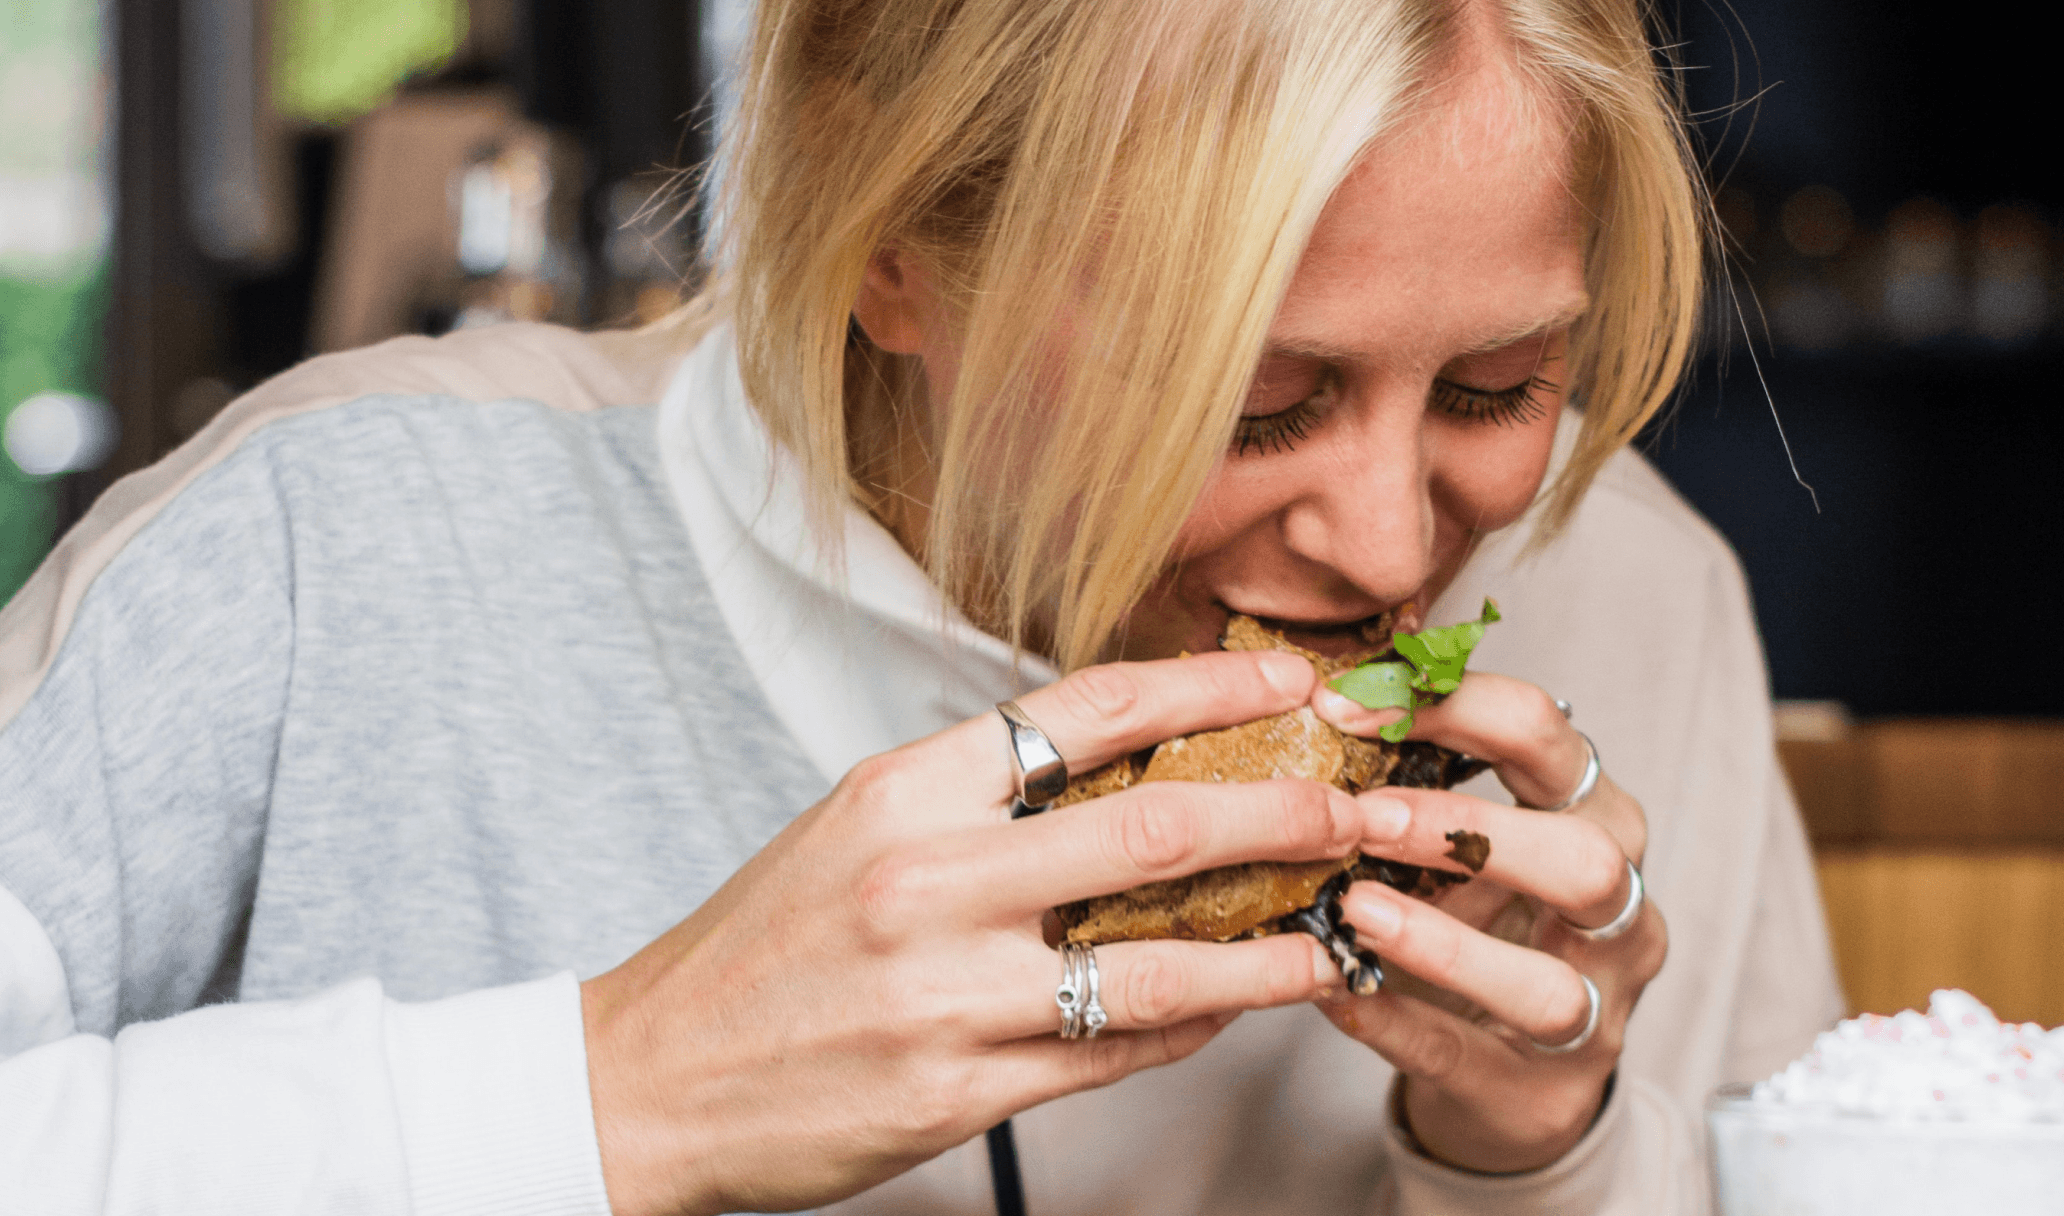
{"x": 1300, "y": 348}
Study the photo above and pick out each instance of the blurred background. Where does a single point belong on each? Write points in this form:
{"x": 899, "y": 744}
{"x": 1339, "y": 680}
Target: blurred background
{"x": 197, "y": 194}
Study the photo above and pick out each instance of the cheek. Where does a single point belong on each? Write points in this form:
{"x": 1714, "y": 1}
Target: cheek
{"x": 1486, "y": 477}
{"x": 1230, "y": 506}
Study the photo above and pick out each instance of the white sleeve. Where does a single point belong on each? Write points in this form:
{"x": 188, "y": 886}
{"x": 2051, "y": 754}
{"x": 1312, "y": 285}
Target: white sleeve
{"x": 35, "y": 1002}
{"x": 343, "y": 1102}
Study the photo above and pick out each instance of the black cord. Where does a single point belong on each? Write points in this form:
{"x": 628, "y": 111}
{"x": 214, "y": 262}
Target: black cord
{"x": 1003, "y": 1171}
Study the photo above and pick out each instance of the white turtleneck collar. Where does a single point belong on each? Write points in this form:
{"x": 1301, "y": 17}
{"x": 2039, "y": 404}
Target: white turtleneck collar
{"x": 853, "y": 662}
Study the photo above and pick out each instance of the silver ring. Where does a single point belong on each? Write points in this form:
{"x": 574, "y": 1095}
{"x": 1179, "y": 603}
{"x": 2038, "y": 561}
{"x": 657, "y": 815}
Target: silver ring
{"x": 1036, "y": 764}
{"x": 1082, "y": 1015}
{"x": 1564, "y": 708}
{"x": 1585, "y": 784}
{"x": 1618, "y": 924}
{"x": 1584, "y": 1035}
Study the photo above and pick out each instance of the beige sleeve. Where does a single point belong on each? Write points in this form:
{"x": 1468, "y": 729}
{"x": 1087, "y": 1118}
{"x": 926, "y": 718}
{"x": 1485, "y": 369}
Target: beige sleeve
{"x": 1639, "y": 1159}
{"x": 1788, "y": 991}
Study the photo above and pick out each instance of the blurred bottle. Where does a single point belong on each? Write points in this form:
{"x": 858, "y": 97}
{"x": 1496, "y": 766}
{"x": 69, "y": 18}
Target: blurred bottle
{"x": 2010, "y": 276}
{"x": 517, "y": 257}
{"x": 237, "y": 150}
{"x": 1923, "y": 293}
{"x": 1817, "y": 222}
{"x": 1808, "y": 308}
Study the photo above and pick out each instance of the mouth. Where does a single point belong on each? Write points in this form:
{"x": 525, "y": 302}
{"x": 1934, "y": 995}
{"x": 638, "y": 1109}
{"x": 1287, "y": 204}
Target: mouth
{"x": 1337, "y": 639}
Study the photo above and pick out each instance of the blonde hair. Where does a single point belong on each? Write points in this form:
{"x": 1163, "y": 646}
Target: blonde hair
{"x": 1144, "y": 176}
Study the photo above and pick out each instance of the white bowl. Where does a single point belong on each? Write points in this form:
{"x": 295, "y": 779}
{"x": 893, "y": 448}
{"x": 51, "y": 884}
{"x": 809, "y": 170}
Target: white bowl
{"x": 1778, "y": 1160}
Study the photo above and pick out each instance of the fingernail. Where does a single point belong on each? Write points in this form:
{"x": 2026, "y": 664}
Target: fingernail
{"x": 1286, "y": 673}
{"x": 1325, "y": 972}
{"x": 1348, "y": 817}
{"x": 1346, "y": 712}
{"x": 1374, "y": 915}
{"x": 1388, "y": 818}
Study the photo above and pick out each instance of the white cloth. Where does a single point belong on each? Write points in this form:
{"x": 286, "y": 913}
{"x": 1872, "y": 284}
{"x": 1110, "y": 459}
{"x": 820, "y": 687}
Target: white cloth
{"x": 353, "y": 1104}
{"x": 856, "y": 658}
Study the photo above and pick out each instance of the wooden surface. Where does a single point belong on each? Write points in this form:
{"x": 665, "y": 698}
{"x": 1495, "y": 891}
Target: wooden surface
{"x": 1909, "y": 920}
{"x": 1941, "y": 853}
{"x": 1920, "y": 781}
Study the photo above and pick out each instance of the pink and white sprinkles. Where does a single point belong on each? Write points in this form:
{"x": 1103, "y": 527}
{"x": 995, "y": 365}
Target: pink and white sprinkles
{"x": 1956, "y": 1061}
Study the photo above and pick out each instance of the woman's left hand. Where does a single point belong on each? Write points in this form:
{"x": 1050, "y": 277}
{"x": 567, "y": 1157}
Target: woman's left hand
{"x": 1478, "y": 1093}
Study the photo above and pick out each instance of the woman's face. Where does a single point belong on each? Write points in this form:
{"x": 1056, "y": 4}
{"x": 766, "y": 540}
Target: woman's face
{"x": 1407, "y": 396}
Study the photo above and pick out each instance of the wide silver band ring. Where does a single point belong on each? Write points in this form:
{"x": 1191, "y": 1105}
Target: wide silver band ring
{"x": 1584, "y": 1035}
{"x": 1082, "y": 1015}
{"x": 1036, "y": 764}
{"x": 1585, "y": 784}
{"x": 1636, "y": 893}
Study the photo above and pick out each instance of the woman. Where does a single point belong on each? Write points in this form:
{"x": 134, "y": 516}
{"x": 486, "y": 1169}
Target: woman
{"x": 1052, "y": 333}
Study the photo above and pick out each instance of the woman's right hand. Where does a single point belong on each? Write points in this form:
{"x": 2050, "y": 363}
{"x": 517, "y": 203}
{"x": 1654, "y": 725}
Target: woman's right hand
{"x": 872, "y": 988}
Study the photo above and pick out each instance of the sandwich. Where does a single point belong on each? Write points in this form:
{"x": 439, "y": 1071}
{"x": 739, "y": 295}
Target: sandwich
{"x": 1260, "y": 898}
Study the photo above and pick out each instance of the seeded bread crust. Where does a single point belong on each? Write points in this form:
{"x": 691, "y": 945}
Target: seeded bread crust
{"x": 1248, "y": 900}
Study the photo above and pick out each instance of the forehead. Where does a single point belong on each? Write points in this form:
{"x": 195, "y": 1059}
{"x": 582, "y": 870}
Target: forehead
{"x": 1455, "y": 231}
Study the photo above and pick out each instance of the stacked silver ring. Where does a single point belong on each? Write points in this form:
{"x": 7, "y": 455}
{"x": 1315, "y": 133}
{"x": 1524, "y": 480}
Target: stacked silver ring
{"x": 1082, "y": 1016}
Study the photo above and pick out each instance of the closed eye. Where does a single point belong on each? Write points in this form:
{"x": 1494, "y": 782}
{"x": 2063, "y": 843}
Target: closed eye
{"x": 1255, "y": 434}
{"x": 1527, "y": 401}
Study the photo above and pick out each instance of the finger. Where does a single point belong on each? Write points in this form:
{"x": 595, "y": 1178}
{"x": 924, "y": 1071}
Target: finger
{"x": 1031, "y": 1071}
{"x": 1004, "y": 872}
{"x": 1150, "y": 985}
{"x": 1632, "y": 959}
{"x": 1100, "y": 713}
{"x": 1482, "y": 1069}
{"x": 1539, "y": 756}
{"x": 1537, "y": 994}
{"x": 1160, "y": 830}
{"x": 1569, "y": 862}
{"x": 1422, "y": 1041}
{"x": 1349, "y": 716}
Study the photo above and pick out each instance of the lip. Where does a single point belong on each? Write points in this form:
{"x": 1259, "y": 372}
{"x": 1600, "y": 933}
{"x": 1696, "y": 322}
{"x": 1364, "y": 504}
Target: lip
{"x": 1337, "y": 636}
{"x": 1319, "y": 628}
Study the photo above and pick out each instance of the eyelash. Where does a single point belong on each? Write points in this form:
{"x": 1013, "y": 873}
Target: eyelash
{"x": 1278, "y": 432}
{"x": 1281, "y": 431}
{"x": 1500, "y": 407}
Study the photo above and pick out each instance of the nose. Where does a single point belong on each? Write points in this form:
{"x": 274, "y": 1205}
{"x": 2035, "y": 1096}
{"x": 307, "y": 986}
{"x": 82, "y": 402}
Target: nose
{"x": 1367, "y": 514}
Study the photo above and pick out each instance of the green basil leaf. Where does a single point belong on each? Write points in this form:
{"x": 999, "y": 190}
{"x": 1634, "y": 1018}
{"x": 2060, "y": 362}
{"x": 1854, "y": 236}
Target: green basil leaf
{"x": 1432, "y": 667}
{"x": 1377, "y": 685}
